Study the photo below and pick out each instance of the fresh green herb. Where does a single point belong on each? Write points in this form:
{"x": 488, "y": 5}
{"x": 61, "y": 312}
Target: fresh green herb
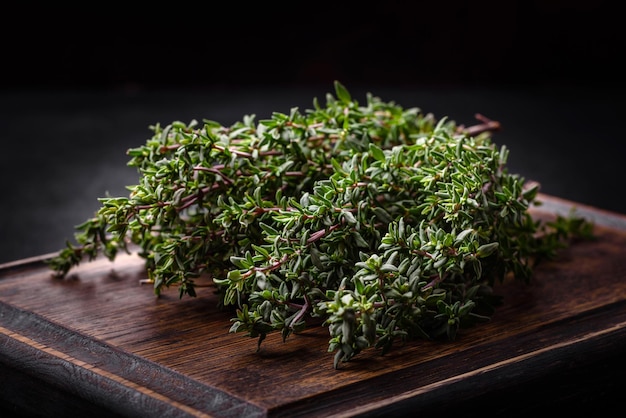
{"x": 379, "y": 222}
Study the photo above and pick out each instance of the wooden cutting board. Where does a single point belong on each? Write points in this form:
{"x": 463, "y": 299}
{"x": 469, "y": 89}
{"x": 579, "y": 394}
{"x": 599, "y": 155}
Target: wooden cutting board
{"x": 99, "y": 342}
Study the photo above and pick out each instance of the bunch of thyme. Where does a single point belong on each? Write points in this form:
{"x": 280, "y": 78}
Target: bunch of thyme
{"x": 379, "y": 222}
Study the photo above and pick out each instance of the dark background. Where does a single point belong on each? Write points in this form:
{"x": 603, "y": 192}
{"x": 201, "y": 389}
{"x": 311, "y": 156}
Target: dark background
{"x": 235, "y": 44}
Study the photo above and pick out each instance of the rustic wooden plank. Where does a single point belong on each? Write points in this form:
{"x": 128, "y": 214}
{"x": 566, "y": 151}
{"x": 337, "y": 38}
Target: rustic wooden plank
{"x": 100, "y": 336}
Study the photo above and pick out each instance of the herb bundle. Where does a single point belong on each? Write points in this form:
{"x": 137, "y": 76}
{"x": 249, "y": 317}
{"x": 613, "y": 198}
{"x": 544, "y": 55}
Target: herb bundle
{"x": 381, "y": 223}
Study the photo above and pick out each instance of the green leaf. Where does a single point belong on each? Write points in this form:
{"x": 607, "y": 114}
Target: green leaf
{"x": 486, "y": 250}
{"x": 342, "y": 93}
{"x": 377, "y": 153}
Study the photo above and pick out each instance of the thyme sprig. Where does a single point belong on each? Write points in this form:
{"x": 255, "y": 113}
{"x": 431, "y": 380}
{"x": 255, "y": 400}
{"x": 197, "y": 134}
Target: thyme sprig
{"x": 380, "y": 222}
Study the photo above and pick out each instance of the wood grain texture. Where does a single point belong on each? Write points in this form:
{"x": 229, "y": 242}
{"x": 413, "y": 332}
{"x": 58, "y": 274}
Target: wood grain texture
{"x": 100, "y": 338}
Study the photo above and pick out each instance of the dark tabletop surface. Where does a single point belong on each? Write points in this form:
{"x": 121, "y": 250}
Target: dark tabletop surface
{"x": 62, "y": 149}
